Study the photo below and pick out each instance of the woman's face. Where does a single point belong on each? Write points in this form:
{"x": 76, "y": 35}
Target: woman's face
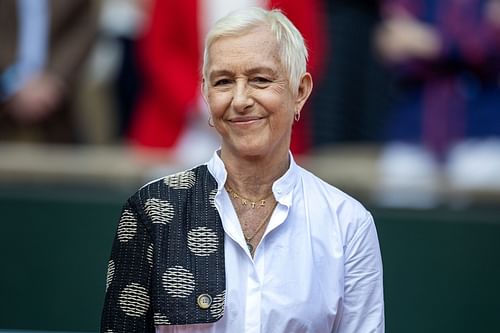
{"x": 248, "y": 94}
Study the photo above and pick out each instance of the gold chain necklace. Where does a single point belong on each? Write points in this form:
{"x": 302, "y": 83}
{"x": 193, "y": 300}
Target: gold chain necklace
{"x": 246, "y": 201}
{"x": 259, "y": 227}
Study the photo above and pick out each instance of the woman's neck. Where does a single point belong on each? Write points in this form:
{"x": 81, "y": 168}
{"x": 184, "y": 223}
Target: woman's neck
{"x": 253, "y": 177}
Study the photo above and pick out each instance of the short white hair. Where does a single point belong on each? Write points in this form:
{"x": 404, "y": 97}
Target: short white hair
{"x": 293, "y": 50}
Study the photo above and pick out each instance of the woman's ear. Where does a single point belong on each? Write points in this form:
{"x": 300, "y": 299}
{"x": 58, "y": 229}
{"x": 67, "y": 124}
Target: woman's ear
{"x": 203, "y": 90}
{"x": 304, "y": 91}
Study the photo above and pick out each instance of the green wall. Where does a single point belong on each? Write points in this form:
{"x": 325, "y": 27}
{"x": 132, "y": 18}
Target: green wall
{"x": 441, "y": 270}
{"x": 54, "y": 254}
{"x": 441, "y": 267}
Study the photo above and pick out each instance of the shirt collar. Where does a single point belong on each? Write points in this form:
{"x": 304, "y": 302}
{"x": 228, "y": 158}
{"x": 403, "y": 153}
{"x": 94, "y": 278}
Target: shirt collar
{"x": 282, "y": 188}
{"x": 218, "y": 170}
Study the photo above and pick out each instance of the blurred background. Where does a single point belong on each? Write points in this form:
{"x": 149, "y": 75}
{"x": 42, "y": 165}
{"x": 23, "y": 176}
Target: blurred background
{"x": 98, "y": 97}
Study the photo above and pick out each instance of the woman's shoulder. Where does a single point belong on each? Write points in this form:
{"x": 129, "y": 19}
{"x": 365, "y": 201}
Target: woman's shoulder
{"x": 185, "y": 181}
{"x": 332, "y": 195}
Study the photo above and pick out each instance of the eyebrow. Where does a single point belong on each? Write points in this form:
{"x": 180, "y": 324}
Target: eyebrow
{"x": 261, "y": 69}
{"x": 218, "y": 73}
{"x": 253, "y": 70}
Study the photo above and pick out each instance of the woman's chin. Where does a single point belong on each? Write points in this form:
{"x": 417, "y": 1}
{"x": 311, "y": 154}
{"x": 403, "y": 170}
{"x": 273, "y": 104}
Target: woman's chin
{"x": 251, "y": 149}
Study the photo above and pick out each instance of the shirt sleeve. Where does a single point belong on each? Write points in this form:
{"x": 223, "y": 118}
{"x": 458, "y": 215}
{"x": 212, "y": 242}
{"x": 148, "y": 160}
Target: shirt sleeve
{"x": 363, "y": 304}
{"x": 127, "y": 304}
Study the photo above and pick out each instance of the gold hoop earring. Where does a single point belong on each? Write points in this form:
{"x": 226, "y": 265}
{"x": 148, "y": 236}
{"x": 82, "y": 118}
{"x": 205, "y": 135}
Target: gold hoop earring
{"x": 296, "y": 116}
{"x": 210, "y": 122}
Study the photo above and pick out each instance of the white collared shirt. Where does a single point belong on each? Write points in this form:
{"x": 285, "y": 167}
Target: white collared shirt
{"x": 317, "y": 268}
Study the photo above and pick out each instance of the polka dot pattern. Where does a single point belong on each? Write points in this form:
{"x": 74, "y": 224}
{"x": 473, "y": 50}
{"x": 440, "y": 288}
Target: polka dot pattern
{"x": 127, "y": 228}
{"x": 181, "y": 181}
{"x": 160, "y": 211}
{"x": 149, "y": 255}
{"x": 134, "y": 300}
{"x": 217, "y": 308}
{"x": 160, "y": 319}
{"x": 169, "y": 239}
{"x": 178, "y": 282}
{"x": 110, "y": 274}
{"x": 211, "y": 198}
{"x": 202, "y": 241}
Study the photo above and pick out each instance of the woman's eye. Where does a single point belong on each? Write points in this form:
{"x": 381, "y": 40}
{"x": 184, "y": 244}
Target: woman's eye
{"x": 261, "y": 80}
{"x": 221, "y": 82}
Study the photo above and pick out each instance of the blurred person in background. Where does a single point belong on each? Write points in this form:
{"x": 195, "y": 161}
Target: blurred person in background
{"x": 111, "y": 79}
{"x": 43, "y": 45}
{"x": 446, "y": 59}
{"x": 248, "y": 241}
{"x": 354, "y": 94}
{"x": 170, "y": 112}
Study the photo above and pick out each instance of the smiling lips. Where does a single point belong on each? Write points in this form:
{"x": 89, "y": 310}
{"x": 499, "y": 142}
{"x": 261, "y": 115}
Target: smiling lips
{"x": 245, "y": 120}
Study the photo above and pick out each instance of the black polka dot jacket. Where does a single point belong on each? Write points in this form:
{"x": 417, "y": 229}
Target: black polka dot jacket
{"x": 167, "y": 261}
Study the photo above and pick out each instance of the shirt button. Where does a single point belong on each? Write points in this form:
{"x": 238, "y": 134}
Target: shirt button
{"x": 204, "y": 301}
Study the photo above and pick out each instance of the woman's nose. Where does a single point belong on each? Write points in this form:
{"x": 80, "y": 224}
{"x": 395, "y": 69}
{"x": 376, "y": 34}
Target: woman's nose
{"x": 242, "y": 98}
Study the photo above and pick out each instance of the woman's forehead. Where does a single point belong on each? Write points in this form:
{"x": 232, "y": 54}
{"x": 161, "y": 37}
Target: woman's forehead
{"x": 257, "y": 48}
{"x": 260, "y": 39}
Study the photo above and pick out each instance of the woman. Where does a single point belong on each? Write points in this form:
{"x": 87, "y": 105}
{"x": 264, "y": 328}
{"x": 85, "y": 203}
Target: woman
{"x": 248, "y": 242}
{"x": 169, "y": 107}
